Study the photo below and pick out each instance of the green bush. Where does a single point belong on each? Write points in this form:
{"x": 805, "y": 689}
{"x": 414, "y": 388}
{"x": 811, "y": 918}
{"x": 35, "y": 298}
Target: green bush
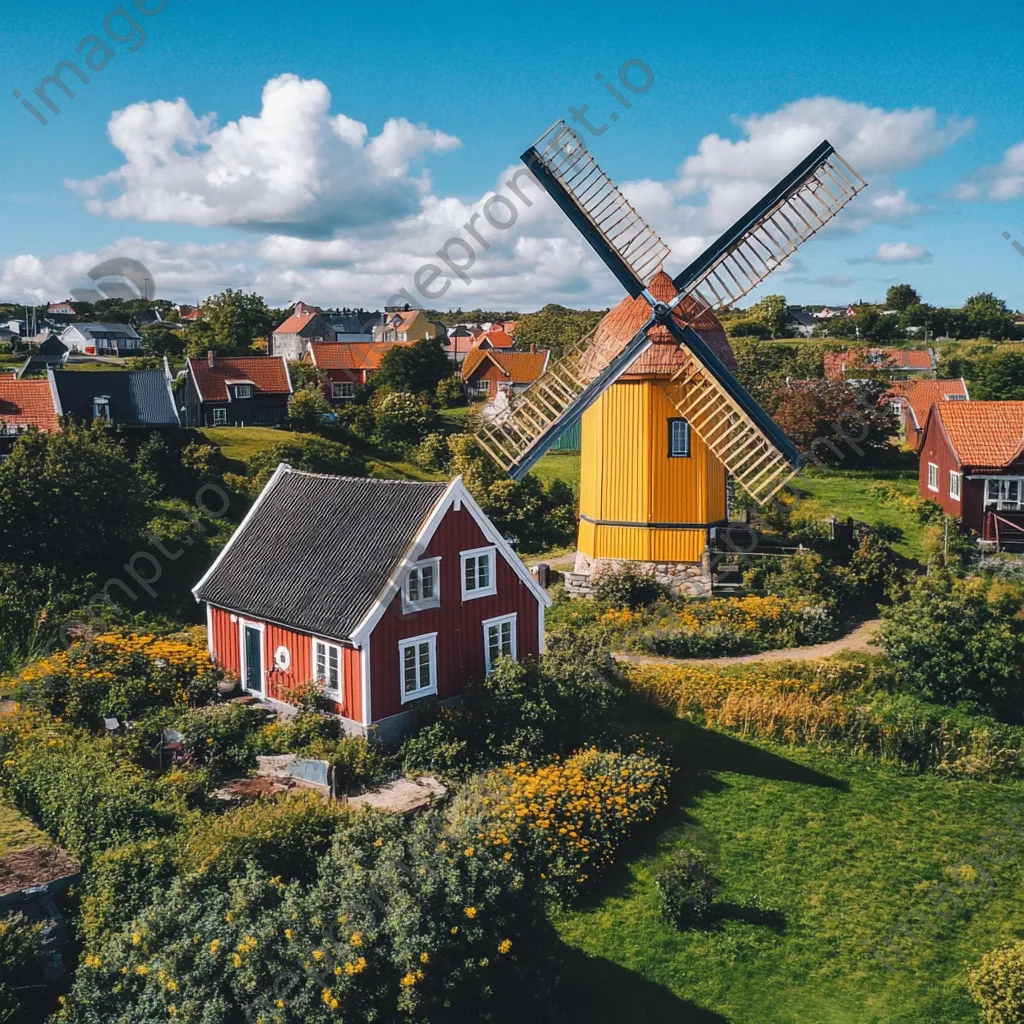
{"x": 628, "y": 586}
{"x": 957, "y": 638}
{"x": 997, "y": 984}
{"x": 432, "y": 452}
{"x": 402, "y": 419}
{"x": 451, "y": 392}
{"x": 686, "y": 888}
{"x": 22, "y": 963}
{"x": 218, "y": 736}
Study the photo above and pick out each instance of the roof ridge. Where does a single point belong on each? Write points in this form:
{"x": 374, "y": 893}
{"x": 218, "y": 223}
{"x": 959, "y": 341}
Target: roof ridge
{"x": 368, "y": 479}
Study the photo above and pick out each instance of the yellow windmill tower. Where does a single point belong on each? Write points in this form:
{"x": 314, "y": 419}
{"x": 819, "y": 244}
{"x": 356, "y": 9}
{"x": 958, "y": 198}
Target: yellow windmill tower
{"x": 650, "y": 488}
{"x": 663, "y": 416}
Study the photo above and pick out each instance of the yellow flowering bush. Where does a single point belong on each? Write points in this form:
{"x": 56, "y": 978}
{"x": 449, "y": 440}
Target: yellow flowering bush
{"x": 997, "y": 984}
{"x": 120, "y": 674}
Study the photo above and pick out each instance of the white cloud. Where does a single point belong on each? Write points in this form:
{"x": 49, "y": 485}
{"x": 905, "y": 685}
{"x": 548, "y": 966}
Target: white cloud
{"x": 998, "y": 182}
{"x": 900, "y": 252}
{"x": 294, "y": 168}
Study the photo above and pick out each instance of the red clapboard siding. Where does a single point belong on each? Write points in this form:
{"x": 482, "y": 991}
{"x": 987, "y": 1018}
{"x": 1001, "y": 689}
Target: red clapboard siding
{"x": 938, "y": 450}
{"x": 460, "y": 640}
{"x": 300, "y": 647}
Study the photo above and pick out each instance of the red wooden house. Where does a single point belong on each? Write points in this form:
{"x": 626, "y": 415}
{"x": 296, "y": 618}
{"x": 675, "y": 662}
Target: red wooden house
{"x": 385, "y": 591}
{"x": 347, "y": 364}
{"x": 488, "y": 371}
{"x": 972, "y": 463}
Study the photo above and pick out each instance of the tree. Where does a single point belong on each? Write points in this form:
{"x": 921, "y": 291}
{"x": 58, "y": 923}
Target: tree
{"x": 414, "y": 368}
{"x": 900, "y": 296}
{"x": 763, "y": 369}
{"x": 556, "y": 328}
{"x": 70, "y": 501}
{"x": 876, "y": 326}
{"x": 237, "y": 319}
{"x": 773, "y": 312}
{"x": 159, "y": 340}
{"x": 988, "y": 317}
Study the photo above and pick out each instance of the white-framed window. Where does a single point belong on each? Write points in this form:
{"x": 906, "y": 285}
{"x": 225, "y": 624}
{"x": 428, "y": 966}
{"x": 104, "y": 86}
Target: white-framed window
{"x": 678, "y": 439}
{"x": 343, "y": 389}
{"x": 933, "y": 476}
{"x": 220, "y": 417}
{"x": 327, "y": 665}
{"x": 1004, "y": 493}
{"x": 499, "y": 639}
{"x": 282, "y": 659}
{"x": 955, "y": 398}
{"x": 417, "y": 666}
{"x": 243, "y": 391}
{"x": 478, "y": 573}
{"x": 479, "y": 389}
{"x": 422, "y": 586}
{"x": 101, "y": 408}
{"x": 897, "y": 408}
{"x": 954, "y": 485}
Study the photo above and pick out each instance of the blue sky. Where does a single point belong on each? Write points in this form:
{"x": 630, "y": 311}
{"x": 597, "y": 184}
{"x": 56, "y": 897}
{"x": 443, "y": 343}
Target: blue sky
{"x": 924, "y": 99}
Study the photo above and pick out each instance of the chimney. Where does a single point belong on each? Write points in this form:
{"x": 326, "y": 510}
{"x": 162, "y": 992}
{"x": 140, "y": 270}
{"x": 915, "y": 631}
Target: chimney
{"x": 533, "y": 348}
{"x": 209, "y": 358}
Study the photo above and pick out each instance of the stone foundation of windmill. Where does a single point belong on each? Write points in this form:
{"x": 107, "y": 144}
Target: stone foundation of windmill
{"x": 685, "y": 579}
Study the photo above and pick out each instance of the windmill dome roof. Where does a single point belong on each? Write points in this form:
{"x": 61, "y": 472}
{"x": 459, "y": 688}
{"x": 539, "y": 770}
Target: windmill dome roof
{"x": 664, "y": 355}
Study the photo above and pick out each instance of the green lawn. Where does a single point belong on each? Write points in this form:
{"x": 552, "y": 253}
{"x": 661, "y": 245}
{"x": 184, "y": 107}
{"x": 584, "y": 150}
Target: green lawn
{"x": 821, "y": 858}
{"x": 17, "y": 832}
{"x": 239, "y": 444}
{"x": 846, "y": 492}
{"x": 559, "y": 466}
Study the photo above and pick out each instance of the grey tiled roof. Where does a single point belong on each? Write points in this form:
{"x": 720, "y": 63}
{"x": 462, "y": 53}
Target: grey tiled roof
{"x": 138, "y": 398}
{"x": 319, "y": 550}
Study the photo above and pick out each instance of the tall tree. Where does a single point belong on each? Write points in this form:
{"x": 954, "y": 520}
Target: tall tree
{"x": 900, "y": 296}
{"x": 988, "y": 317}
{"x": 414, "y": 368}
{"x": 773, "y": 313}
{"x": 237, "y": 319}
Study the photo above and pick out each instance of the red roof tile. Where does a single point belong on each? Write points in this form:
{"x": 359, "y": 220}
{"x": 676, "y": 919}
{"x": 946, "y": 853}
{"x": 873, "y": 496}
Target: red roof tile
{"x": 268, "y": 373}
{"x": 295, "y": 323}
{"x": 921, "y": 394}
{"x": 496, "y": 339}
{"x": 987, "y": 435}
{"x": 516, "y": 367}
{"x": 27, "y": 403}
{"x": 842, "y": 364}
{"x": 351, "y": 355}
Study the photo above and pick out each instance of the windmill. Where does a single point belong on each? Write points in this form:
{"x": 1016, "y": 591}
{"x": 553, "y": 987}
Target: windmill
{"x": 689, "y": 363}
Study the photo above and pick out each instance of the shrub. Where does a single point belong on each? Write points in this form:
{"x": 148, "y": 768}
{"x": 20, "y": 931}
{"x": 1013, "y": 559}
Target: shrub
{"x": 997, "y": 984}
{"x": 450, "y": 391}
{"x": 432, "y": 452}
{"x": 22, "y": 966}
{"x": 924, "y": 509}
{"x": 686, "y": 887}
{"x": 402, "y": 419}
{"x": 218, "y": 736}
{"x": 311, "y": 453}
{"x": 308, "y": 409}
{"x": 955, "y": 638}
{"x": 629, "y": 586}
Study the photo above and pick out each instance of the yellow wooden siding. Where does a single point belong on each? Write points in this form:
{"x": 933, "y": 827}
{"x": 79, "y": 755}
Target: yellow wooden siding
{"x": 627, "y": 476}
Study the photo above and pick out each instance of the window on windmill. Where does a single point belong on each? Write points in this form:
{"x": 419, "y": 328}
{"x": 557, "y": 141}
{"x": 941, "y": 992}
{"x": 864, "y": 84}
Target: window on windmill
{"x": 678, "y": 439}
{"x": 101, "y": 408}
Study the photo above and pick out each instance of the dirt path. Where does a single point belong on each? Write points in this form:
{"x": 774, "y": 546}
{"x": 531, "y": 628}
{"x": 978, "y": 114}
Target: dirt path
{"x": 860, "y": 638}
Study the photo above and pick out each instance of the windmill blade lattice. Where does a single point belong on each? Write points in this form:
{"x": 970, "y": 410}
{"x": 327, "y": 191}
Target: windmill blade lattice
{"x": 799, "y": 206}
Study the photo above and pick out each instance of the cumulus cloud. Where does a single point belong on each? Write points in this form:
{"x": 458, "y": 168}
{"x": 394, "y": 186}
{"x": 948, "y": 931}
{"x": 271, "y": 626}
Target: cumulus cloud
{"x": 998, "y": 183}
{"x": 348, "y": 217}
{"x": 294, "y": 169}
{"x": 895, "y": 252}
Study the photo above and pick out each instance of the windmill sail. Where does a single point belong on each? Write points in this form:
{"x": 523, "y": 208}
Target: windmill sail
{"x": 772, "y": 230}
{"x": 602, "y": 214}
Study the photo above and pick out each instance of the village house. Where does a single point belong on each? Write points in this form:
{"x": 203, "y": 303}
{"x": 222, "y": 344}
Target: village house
{"x": 234, "y": 391}
{"x": 459, "y": 343}
{"x": 49, "y": 354}
{"x": 302, "y": 327}
{"x": 494, "y": 339}
{"x": 102, "y": 339}
{"x": 910, "y": 401}
{"x": 488, "y": 372}
{"x": 130, "y": 399}
{"x": 899, "y": 362}
{"x": 347, "y": 365}
{"x": 972, "y": 463}
{"x": 405, "y": 325}
{"x": 352, "y": 324}
{"x": 26, "y": 404}
{"x": 64, "y": 308}
{"x": 385, "y": 592}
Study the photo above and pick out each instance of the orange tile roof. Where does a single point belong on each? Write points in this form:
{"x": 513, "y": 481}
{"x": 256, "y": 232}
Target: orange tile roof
{"x": 351, "y": 355}
{"x": 407, "y": 317}
{"x": 838, "y": 364}
{"x": 28, "y": 403}
{"x": 497, "y": 339}
{"x": 268, "y": 373}
{"x": 985, "y": 435}
{"x": 921, "y": 394}
{"x": 517, "y": 367}
{"x": 295, "y": 323}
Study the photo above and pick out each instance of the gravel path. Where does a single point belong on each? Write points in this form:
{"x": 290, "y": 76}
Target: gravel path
{"x": 860, "y": 638}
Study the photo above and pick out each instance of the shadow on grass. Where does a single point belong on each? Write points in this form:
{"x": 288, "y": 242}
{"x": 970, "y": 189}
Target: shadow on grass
{"x": 599, "y": 990}
{"x": 763, "y": 918}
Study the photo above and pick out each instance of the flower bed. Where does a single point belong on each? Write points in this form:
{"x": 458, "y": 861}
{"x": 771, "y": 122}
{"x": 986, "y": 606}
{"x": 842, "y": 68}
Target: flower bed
{"x": 834, "y": 705}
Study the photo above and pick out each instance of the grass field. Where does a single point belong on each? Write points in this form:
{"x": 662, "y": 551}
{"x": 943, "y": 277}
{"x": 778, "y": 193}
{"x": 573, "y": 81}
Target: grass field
{"x": 17, "y": 832}
{"x": 847, "y": 492}
{"x": 559, "y": 466}
{"x": 821, "y": 860}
